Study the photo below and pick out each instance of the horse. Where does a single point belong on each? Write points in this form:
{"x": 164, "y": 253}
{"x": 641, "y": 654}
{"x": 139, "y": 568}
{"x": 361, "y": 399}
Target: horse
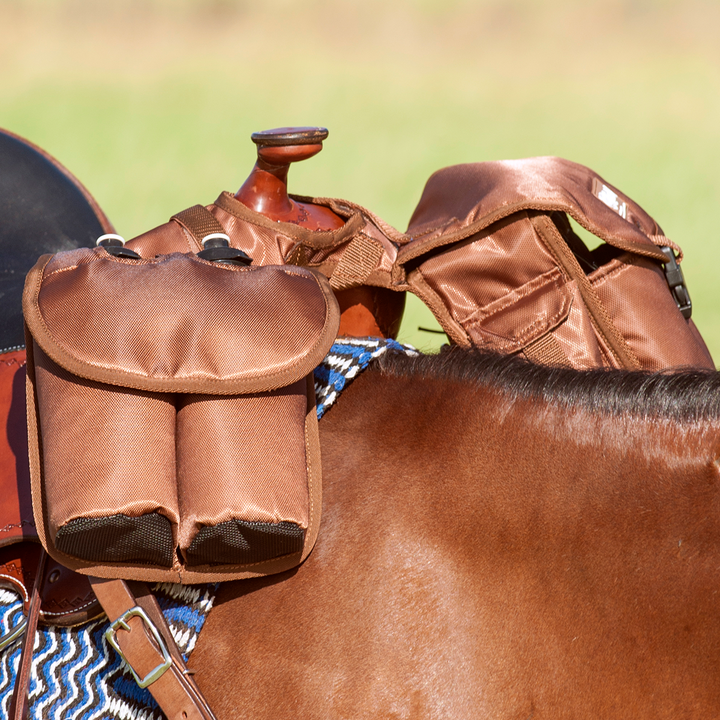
{"x": 499, "y": 540}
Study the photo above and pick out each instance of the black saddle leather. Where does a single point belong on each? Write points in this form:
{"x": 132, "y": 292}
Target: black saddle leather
{"x": 43, "y": 209}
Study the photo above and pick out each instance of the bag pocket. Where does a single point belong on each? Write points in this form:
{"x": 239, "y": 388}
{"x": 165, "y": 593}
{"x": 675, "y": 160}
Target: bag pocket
{"x": 172, "y": 425}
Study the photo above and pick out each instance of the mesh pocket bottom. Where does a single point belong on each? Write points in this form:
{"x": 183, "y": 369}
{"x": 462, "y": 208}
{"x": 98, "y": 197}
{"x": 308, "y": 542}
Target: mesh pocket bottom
{"x": 146, "y": 539}
{"x": 241, "y": 542}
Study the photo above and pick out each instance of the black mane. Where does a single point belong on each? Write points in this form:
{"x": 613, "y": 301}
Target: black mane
{"x": 688, "y": 395}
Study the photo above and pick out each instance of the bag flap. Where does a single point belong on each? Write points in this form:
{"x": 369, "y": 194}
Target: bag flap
{"x": 461, "y": 200}
{"x": 177, "y": 323}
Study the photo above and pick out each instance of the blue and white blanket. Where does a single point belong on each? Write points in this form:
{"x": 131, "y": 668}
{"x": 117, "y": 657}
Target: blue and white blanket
{"x": 75, "y": 675}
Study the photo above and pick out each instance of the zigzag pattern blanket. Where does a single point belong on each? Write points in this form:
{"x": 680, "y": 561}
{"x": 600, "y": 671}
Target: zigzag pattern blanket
{"x": 75, "y": 675}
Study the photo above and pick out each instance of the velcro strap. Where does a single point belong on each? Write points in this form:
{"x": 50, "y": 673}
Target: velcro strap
{"x": 199, "y": 222}
{"x": 546, "y": 350}
{"x": 360, "y": 258}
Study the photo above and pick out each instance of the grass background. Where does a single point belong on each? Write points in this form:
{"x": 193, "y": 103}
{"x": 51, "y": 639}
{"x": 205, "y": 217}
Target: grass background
{"x": 151, "y": 103}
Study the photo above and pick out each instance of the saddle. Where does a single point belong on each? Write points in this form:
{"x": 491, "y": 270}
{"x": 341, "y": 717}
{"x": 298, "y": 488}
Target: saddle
{"x": 214, "y": 321}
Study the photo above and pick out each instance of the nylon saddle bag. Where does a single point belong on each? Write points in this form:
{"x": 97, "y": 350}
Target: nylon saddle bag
{"x": 494, "y": 256}
{"x": 171, "y": 413}
{"x": 491, "y": 250}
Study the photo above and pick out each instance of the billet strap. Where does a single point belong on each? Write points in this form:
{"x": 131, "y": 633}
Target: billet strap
{"x": 19, "y": 708}
{"x": 199, "y": 222}
{"x": 140, "y": 635}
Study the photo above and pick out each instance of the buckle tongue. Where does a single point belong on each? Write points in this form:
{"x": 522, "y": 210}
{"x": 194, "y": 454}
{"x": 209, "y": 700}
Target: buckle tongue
{"x": 121, "y": 623}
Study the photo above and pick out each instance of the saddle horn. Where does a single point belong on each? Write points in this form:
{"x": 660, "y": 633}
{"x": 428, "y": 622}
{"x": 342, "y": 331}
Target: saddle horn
{"x": 365, "y": 310}
{"x": 265, "y": 189}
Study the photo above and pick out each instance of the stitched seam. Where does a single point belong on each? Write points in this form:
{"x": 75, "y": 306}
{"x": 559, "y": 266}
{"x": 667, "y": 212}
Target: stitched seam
{"x": 529, "y": 330}
{"x": 48, "y": 613}
{"x": 505, "y": 211}
{"x": 13, "y": 526}
{"x": 534, "y": 285}
{"x": 14, "y": 361}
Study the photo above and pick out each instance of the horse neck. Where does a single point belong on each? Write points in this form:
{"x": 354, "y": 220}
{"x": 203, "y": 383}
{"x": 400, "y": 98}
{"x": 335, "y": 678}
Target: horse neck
{"x": 533, "y": 465}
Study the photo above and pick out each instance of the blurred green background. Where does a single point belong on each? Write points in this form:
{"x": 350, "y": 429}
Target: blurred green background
{"x": 151, "y": 103}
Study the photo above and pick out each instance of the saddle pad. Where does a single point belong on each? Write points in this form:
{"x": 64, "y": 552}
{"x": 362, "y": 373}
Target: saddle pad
{"x": 75, "y": 675}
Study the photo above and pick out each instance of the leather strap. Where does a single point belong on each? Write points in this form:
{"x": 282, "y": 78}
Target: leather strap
{"x": 141, "y": 634}
{"x": 19, "y": 709}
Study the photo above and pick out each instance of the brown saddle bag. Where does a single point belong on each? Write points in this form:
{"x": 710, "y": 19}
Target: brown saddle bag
{"x": 171, "y": 413}
{"x": 494, "y": 256}
{"x": 492, "y": 252}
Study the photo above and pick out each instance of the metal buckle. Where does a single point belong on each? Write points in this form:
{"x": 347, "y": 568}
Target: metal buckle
{"x": 676, "y": 281}
{"x": 121, "y": 622}
{"x": 13, "y": 634}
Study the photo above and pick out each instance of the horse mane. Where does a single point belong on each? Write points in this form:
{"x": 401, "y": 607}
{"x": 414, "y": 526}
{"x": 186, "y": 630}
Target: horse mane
{"x": 686, "y": 395}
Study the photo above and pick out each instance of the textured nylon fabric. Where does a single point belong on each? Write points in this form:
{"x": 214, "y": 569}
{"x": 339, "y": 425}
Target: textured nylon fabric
{"x": 634, "y": 291}
{"x": 577, "y": 337}
{"x": 155, "y": 470}
{"x": 227, "y": 323}
{"x": 242, "y": 457}
{"x": 506, "y": 257}
{"x": 521, "y": 294}
{"x": 105, "y": 450}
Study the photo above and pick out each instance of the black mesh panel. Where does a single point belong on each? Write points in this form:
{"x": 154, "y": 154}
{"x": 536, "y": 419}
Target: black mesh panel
{"x": 146, "y": 539}
{"x": 241, "y": 542}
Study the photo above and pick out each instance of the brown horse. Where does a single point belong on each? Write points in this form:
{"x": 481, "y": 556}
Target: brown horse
{"x": 499, "y": 540}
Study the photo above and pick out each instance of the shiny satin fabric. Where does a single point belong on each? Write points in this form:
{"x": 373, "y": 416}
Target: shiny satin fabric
{"x": 497, "y": 262}
{"x": 461, "y": 200}
{"x": 173, "y": 434}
